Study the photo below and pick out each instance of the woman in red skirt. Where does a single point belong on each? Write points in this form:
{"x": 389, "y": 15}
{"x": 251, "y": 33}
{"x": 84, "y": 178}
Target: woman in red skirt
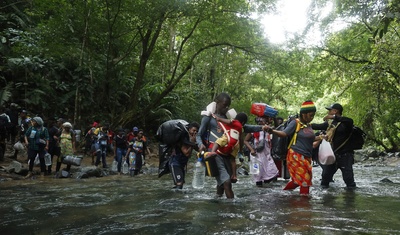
{"x": 300, "y": 148}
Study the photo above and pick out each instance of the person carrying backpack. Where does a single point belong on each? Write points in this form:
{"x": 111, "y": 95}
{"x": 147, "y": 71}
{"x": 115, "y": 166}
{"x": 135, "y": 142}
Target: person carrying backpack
{"x": 338, "y": 130}
{"x": 300, "y": 148}
{"x": 37, "y": 140}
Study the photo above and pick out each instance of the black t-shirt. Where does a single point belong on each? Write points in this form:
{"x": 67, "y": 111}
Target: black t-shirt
{"x": 121, "y": 142}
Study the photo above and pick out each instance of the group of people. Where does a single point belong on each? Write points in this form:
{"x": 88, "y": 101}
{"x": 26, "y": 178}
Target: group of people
{"x": 221, "y": 135}
{"x": 214, "y": 135}
{"x": 24, "y": 132}
{"x": 58, "y": 139}
{"x": 129, "y": 146}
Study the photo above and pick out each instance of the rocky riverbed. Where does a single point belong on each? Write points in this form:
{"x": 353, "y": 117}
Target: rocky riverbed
{"x": 17, "y": 169}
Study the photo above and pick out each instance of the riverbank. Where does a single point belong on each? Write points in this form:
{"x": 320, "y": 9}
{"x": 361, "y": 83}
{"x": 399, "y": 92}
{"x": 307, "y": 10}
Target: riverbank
{"x": 17, "y": 169}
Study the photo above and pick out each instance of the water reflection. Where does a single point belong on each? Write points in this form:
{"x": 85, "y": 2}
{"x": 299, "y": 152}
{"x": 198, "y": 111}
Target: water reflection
{"x": 148, "y": 205}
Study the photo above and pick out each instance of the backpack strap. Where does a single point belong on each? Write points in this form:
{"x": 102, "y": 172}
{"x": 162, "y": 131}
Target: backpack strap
{"x": 225, "y": 131}
{"x": 344, "y": 141}
{"x": 299, "y": 125}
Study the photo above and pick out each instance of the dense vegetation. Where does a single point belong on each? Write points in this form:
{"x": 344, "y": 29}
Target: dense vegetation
{"x": 139, "y": 62}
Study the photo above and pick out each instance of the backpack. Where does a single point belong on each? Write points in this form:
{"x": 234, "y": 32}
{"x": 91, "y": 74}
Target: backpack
{"x": 169, "y": 133}
{"x": 356, "y": 139}
{"x": 232, "y": 136}
{"x": 280, "y": 145}
{"x": 164, "y": 153}
{"x": 173, "y": 131}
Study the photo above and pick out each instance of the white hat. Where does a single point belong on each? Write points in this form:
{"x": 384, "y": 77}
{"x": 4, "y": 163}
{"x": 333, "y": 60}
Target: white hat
{"x": 67, "y": 124}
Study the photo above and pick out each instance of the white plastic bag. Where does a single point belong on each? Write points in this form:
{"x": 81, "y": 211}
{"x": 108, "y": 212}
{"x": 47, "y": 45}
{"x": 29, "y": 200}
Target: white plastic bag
{"x": 326, "y": 156}
{"x": 19, "y": 146}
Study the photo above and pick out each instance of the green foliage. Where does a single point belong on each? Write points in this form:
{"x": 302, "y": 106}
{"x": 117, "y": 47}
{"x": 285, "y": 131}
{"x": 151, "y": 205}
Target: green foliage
{"x": 136, "y": 62}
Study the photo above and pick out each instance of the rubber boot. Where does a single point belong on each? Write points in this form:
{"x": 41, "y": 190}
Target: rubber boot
{"x": 304, "y": 191}
{"x": 291, "y": 185}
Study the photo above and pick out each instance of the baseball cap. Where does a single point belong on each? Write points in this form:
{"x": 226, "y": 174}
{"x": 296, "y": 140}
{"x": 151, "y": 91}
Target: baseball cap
{"x": 135, "y": 129}
{"x": 335, "y": 106}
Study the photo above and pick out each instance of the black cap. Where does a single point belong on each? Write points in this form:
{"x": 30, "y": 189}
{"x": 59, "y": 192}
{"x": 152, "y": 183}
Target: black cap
{"x": 335, "y": 106}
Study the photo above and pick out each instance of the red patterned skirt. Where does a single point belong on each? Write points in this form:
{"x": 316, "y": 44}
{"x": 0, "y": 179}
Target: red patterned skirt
{"x": 300, "y": 168}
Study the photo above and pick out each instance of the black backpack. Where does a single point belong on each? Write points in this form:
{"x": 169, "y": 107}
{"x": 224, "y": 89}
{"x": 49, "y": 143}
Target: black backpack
{"x": 172, "y": 131}
{"x": 169, "y": 134}
{"x": 356, "y": 139}
{"x": 280, "y": 144}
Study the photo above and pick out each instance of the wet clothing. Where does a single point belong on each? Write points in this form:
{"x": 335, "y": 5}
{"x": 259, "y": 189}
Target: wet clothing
{"x": 177, "y": 165}
{"x": 344, "y": 155}
{"x": 208, "y": 133}
{"x": 300, "y": 168}
{"x": 224, "y": 168}
{"x": 299, "y": 154}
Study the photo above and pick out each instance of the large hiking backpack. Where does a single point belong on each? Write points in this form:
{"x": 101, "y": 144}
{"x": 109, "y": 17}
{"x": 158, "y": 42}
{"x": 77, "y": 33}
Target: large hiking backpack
{"x": 169, "y": 133}
{"x": 172, "y": 131}
{"x": 280, "y": 144}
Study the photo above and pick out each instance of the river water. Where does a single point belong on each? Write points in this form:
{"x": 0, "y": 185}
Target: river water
{"x": 147, "y": 205}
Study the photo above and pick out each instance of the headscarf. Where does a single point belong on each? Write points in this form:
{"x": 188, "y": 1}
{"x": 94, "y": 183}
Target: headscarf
{"x": 38, "y": 120}
{"x": 67, "y": 124}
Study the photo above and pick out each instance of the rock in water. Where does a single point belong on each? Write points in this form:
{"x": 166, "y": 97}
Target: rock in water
{"x": 386, "y": 180}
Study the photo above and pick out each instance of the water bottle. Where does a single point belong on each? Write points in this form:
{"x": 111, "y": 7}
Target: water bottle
{"x": 47, "y": 159}
{"x": 114, "y": 166}
{"x": 254, "y": 165}
{"x": 199, "y": 175}
{"x": 125, "y": 168}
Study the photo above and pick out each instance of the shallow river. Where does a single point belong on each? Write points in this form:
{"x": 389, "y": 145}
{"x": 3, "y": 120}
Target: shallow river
{"x": 148, "y": 205}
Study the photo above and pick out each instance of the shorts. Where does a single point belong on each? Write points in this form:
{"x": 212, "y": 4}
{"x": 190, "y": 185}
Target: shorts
{"x": 224, "y": 169}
